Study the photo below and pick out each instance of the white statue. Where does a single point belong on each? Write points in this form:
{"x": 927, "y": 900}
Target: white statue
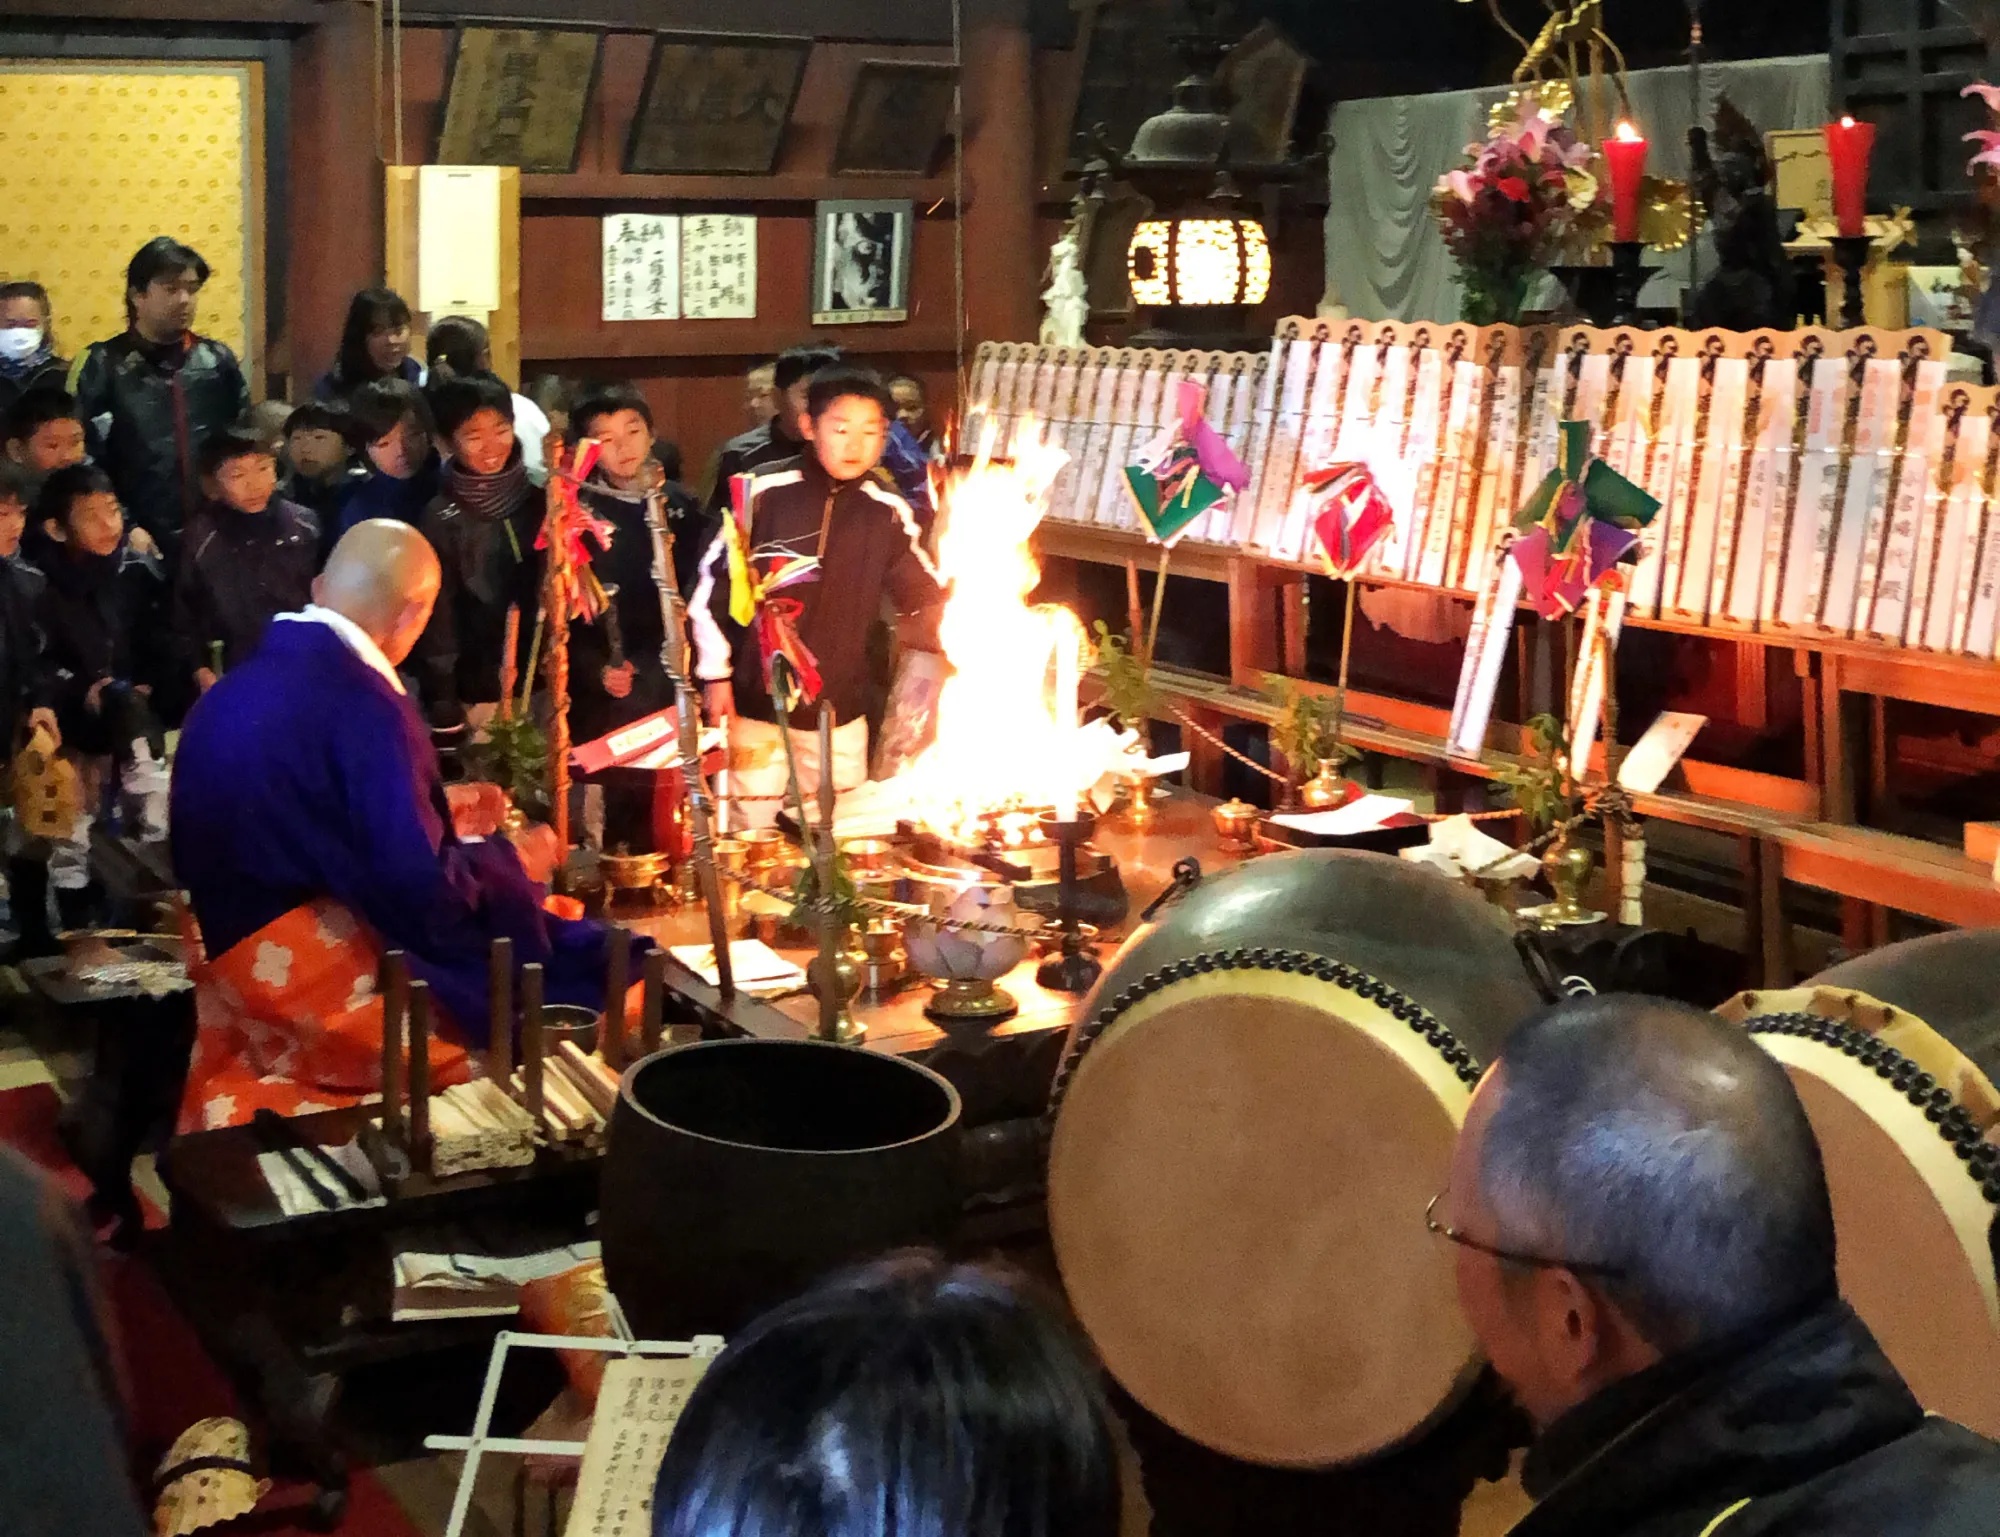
{"x": 1067, "y": 296}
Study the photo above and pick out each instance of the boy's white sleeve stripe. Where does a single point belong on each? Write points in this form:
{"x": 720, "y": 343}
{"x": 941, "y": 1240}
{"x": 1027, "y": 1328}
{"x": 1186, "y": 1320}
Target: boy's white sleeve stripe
{"x": 713, "y": 663}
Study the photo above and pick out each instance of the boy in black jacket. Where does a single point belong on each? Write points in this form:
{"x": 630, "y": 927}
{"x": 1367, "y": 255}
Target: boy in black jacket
{"x": 829, "y": 506}
{"x": 249, "y": 555}
{"x": 100, "y": 616}
{"x": 317, "y": 469}
{"x": 23, "y": 705}
{"x": 483, "y": 526}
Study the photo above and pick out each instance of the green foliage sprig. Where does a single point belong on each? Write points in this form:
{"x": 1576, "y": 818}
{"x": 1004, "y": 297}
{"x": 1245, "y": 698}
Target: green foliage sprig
{"x": 515, "y": 756}
{"x": 1307, "y": 730}
{"x": 1540, "y": 784}
{"x": 1128, "y": 682}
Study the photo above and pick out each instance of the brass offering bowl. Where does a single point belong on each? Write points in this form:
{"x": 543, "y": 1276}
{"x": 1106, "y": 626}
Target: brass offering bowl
{"x": 762, "y": 846}
{"x": 869, "y": 856}
{"x": 634, "y": 872}
{"x": 569, "y": 1022}
{"x": 732, "y": 856}
{"x": 1236, "y": 824}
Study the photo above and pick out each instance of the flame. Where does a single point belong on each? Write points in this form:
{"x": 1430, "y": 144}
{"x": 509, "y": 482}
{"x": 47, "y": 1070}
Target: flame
{"x": 1004, "y": 739}
{"x": 1627, "y": 134}
{"x": 1847, "y": 122}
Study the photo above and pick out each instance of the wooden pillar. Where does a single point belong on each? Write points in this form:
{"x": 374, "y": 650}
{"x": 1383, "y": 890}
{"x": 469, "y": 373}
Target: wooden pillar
{"x": 336, "y": 206}
{"x": 1003, "y": 257}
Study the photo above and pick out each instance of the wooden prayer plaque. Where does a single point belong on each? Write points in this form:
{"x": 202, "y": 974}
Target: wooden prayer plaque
{"x": 517, "y": 97}
{"x": 897, "y": 118}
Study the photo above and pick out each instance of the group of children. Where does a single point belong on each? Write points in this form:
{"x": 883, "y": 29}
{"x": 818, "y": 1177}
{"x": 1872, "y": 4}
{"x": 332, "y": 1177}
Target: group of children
{"x": 148, "y": 539}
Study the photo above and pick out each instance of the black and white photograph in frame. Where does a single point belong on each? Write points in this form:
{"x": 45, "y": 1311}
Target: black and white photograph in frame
{"x": 861, "y": 262}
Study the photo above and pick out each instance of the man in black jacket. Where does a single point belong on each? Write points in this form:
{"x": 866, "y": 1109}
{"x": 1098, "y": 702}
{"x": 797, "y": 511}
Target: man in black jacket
{"x": 829, "y": 507}
{"x": 778, "y": 439}
{"x": 150, "y": 399}
{"x": 1645, "y": 1249}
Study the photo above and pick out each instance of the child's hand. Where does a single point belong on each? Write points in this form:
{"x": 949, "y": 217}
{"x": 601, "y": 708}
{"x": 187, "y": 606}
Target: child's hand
{"x": 42, "y": 718}
{"x": 142, "y": 541}
{"x": 617, "y": 680}
{"x": 204, "y": 678}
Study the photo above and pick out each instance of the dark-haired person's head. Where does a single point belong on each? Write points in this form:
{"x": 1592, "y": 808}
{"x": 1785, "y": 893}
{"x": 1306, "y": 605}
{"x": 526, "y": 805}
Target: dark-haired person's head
{"x": 375, "y": 341}
{"x": 43, "y": 432}
{"x": 913, "y": 403}
{"x": 792, "y": 375}
{"x": 162, "y": 289}
{"x": 16, "y": 491}
{"x": 475, "y": 421}
{"x": 910, "y": 1397}
{"x": 391, "y": 420}
{"x": 25, "y": 333}
{"x": 79, "y": 510}
{"x": 458, "y": 345}
{"x": 619, "y": 418}
{"x": 238, "y": 470}
{"x": 760, "y": 394}
{"x": 1654, "y": 1186}
{"x": 317, "y": 439}
{"x": 848, "y": 411}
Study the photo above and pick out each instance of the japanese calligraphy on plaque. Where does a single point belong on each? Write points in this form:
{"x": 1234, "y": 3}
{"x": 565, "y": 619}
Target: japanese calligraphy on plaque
{"x": 517, "y": 97}
{"x": 637, "y": 1408}
{"x": 719, "y": 266}
{"x": 714, "y": 107}
{"x": 896, "y": 118}
{"x": 642, "y": 267}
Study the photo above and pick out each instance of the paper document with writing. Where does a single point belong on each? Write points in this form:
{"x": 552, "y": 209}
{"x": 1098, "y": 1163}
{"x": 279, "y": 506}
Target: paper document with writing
{"x": 1357, "y": 816}
{"x": 637, "y": 1408}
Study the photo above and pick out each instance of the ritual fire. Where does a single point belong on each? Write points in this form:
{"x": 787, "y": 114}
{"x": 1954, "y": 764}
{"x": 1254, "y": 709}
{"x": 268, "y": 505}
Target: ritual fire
{"x": 1008, "y": 740}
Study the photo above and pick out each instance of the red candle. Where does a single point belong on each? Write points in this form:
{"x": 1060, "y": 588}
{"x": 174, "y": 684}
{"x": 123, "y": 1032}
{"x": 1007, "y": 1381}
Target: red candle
{"x": 1625, "y": 156}
{"x": 1848, "y": 146}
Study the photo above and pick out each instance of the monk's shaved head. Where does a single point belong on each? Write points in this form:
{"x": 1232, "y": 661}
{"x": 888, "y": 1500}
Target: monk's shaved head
{"x": 384, "y": 576}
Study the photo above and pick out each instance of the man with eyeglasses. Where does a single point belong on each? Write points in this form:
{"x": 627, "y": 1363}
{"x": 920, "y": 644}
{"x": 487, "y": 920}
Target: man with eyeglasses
{"x": 1644, "y": 1246}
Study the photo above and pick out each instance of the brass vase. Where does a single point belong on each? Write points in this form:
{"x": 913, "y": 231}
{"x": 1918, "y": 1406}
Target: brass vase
{"x": 1329, "y": 789}
{"x": 850, "y": 973}
{"x": 1567, "y": 866}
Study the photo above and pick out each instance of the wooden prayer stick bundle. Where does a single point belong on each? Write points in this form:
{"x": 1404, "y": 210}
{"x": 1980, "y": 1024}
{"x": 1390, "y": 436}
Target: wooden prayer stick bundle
{"x": 592, "y": 1076}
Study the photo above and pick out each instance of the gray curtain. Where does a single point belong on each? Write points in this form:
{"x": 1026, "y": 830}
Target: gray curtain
{"x": 1384, "y": 257}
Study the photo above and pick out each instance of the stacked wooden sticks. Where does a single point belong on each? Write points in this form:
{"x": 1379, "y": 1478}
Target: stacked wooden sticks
{"x": 560, "y": 1098}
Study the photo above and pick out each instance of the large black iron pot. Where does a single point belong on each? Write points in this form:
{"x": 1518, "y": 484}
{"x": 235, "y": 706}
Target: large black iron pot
{"x": 739, "y": 1171}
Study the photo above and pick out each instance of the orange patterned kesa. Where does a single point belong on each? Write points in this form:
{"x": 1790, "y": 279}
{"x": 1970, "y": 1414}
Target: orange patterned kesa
{"x": 290, "y": 1020}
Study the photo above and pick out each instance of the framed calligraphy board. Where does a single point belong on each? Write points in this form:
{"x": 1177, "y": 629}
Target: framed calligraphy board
{"x": 517, "y": 97}
{"x": 896, "y": 118}
{"x": 716, "y": 106}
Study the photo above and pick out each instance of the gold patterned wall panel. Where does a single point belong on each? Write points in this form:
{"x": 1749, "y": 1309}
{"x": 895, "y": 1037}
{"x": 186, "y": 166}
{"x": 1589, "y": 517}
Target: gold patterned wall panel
{"x": 96, "y": 159}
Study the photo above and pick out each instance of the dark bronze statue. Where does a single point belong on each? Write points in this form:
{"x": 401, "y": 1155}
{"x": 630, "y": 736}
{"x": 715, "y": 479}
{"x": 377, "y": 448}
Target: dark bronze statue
{"x": 1753, "y": 288}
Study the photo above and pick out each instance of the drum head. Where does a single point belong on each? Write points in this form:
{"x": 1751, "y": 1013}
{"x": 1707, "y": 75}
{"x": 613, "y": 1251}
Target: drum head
{"x": 1237, "y": 1182}
{"x": 1912, "y": 1225}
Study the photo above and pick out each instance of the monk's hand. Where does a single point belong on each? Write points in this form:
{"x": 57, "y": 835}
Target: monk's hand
{"x": 719, "y": 700}
{"x": 204, "y": 678}
{"x": 142, "y": 542}
{"x": 94, "y": 700}
{"x": 539, "y": 851}
{"x": 617, "y": 680}
{"x": 477, "y": 809}
{"x": 42, "y": 718}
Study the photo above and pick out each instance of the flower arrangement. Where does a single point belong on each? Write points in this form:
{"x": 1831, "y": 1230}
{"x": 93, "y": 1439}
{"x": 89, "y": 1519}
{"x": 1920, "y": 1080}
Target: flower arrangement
{"x": 1980, "y": 233}
{"x": 1510, "y": 210}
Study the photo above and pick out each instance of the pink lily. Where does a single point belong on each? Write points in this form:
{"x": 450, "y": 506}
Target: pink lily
{"x": 1990, "y": 94}
{"x": 1989, "y": 147}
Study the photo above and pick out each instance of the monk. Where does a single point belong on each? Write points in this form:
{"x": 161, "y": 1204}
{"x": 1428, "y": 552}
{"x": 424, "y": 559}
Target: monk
{"x": 312, "y": 832}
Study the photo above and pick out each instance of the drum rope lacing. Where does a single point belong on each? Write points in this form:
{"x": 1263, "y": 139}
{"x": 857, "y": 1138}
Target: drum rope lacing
{"x": 1954, "y": 1123}
{"x": 1348, "y": 978}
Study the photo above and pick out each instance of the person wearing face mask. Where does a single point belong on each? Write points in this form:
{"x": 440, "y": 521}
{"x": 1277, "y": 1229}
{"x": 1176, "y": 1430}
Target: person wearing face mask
{"x": 374, "y": 344}
{"x": 483, "y": 526}
{"x": 150, "y": 399}
{"x": 28, "y": 359}
{"x": 830, "y": 507}
{"x": 392, "y": 423}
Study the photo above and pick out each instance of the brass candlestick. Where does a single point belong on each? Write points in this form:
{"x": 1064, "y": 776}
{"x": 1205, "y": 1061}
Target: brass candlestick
{"x": 1072, "y": 969}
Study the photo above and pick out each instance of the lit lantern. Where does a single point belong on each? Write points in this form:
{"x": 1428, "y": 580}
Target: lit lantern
{"x": 1199, "y": 261}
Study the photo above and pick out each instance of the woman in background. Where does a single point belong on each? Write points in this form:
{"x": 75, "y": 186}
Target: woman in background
{"x": 374, "y": 344}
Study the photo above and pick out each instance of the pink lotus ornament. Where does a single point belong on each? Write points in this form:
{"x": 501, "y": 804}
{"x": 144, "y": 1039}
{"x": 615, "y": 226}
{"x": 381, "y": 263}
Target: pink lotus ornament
{"x": 967, "y": 962}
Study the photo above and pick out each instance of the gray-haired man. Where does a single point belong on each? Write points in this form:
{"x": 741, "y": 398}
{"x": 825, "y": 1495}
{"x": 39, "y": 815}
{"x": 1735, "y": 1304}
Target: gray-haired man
{"x": 1645, "y": 1249}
